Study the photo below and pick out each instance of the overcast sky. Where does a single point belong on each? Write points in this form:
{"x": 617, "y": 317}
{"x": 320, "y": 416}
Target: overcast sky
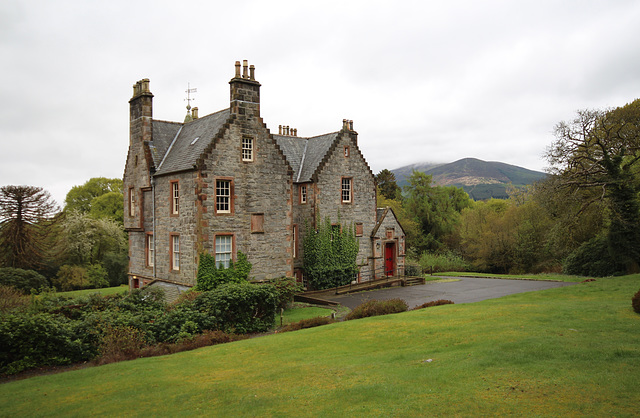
{"x": 423, "y": 81}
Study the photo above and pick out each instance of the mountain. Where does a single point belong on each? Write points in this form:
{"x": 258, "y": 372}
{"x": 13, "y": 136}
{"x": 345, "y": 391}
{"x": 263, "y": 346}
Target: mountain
{"x": 480, "y": 179}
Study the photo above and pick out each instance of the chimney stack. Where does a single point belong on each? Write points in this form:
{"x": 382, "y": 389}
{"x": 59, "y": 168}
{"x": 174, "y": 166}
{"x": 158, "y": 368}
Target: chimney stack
{"x": 245, "y": 92}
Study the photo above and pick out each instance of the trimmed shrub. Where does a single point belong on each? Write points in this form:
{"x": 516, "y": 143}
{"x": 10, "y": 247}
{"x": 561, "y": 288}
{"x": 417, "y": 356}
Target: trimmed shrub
{"x": 377, "y": 307}
{"x": 211, "y": 276}
{"x": 240, "y": 307}
{"x": 180, "y": 323}
{"x": 635, "y": 302}
{"x": 23, "y": 280}
{"x": 308, "y": 323}
{"x": 35, "y": 340}
{"x": 433, "y": 303}
{"x": 412, "y": 268}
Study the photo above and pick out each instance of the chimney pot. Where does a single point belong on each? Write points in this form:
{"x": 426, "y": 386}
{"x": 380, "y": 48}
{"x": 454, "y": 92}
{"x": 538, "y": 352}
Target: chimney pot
{"x": 244, "y": 69}
{"x": 252, "y": 72}
{"x": 351, "y": 125}
{"x": 194, "y": 113}
{"x": 279, "y": 129}
{"x": 237, "y": 69}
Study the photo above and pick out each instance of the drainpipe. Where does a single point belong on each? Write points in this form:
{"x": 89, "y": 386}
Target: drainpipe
{"x": 153, "y": 222}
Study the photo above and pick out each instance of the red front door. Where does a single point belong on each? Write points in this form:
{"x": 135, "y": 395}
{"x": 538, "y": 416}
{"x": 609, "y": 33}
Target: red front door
{"x": 389, "y": 258}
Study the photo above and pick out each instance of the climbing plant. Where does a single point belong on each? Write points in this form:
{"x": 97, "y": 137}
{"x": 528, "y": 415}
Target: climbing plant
{"x": 211, "y": 276}
{"x": 330, "y": 254}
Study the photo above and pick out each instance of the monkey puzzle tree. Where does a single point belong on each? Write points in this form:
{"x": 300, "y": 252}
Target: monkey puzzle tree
{"x": 26, "y": 214}
{"x": 599, "y": 151}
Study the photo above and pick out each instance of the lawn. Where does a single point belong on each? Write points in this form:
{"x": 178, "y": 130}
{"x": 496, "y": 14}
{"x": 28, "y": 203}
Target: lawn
{"x": 542, "y": 276}
{"x": 103, "y": 291}
{"x": 565, "y": 351}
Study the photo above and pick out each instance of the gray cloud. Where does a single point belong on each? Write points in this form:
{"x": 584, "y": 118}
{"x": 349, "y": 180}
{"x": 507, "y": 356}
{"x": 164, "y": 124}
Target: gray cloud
{"x": 423, "y": 81}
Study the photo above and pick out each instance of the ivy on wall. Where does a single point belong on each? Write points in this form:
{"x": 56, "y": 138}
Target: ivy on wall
{"x": 211, "y": 276}
{"x": 330, "y": 254}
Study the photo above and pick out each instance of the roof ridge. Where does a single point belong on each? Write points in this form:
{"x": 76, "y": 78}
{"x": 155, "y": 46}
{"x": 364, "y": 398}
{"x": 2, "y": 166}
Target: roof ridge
{"x": 304, "y": 154}
{"x": 170, "y": 146}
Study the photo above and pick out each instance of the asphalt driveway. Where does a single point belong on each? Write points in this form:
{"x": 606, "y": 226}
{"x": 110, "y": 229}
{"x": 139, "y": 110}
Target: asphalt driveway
{"x": 464, "y": 290}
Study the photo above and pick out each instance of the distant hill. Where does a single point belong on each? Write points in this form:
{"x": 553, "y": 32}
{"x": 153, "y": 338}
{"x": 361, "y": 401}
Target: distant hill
{"x": 480, "y": 179}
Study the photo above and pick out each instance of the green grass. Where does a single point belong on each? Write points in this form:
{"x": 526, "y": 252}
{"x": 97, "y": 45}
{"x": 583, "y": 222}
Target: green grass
{"x": 299, "y": 312}
{"x": 569, "y": 351}
{"x": 104, "y": 291}
{"x": 543, "y": 276}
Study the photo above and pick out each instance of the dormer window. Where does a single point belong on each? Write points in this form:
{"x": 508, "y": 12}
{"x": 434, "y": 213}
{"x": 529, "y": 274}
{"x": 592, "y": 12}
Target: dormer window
{"x": 247, "y": 149}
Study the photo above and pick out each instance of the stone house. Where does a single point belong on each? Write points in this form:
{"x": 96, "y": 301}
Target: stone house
{"x": 223, "y": 183}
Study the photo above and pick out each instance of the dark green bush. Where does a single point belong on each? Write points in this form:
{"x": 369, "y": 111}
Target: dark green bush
{"x": 41, "y": 339}
{"x": 181, "y": 323}
{"x": 433, "y": 303}
{"x": 23, "y": 280}
{"x": 240, "y": 307}
{"x": 592, "y": 259}
{"x": 635, "y": 302}
{"x": 287, "y": 288}
{"x": 146, "y": 298}
{"x": 308, "y": 323}
{"x": 210, "y": 276}
{"x": 377, "y": 307}
{"x": 412, "y": 269}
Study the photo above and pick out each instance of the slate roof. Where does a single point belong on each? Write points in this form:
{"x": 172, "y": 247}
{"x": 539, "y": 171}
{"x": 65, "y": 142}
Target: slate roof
{"x": 163, "y": 135}
{"x": 305, "y": 154}
{"x": 173, "y": 147}
{"x": 182, "y": 152}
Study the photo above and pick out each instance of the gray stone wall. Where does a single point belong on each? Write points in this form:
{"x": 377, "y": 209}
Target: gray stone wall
{"x": 184, "y": 225}
{"x": 362, "y": 208}
{"x": 262, "y": 186}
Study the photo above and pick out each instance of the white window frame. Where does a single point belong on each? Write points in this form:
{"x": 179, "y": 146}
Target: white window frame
{"x": 303, "y": 194}
{"x": 223, "y": 196}
{"x": 175, "y": 252}
{"x": 224, "y": 250}
{"x": 175, "y": 197}
{"x": 132, "y": 202}
{"x": 346, "y": 190}
{"x": 150, "y": 250}
{"x": 247, "y": 149}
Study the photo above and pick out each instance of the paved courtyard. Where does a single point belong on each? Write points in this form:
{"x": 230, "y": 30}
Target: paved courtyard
{"x": 463, "y": 290}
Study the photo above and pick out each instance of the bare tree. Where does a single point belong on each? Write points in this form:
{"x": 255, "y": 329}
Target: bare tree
{"x": 597, "y": 155}
{"x": 26, "y": 215}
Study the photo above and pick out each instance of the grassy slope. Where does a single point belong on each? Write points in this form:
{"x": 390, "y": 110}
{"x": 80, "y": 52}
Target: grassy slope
{"x": 566, "y": 351}
{"x": 103, "y": 291}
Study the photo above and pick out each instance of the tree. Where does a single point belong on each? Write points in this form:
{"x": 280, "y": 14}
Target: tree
{"x": 26, "y": 214}
{"x": 435, "y": 209}
{"x": 83, "y": 198}
{"x": 386, "y": 183}
{"x": 85, "y": 240}
{"x": 599, "y": 151}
